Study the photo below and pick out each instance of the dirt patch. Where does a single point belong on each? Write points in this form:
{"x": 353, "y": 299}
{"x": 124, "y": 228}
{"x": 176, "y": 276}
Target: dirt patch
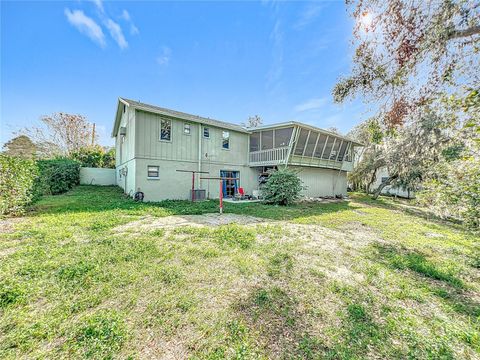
{"x": 7, "y": 226}
{"x": 169, "y": 222}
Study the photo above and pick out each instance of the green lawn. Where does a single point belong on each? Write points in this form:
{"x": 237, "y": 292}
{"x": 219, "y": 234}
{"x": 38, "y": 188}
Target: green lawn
{"x": 357, "y": 279}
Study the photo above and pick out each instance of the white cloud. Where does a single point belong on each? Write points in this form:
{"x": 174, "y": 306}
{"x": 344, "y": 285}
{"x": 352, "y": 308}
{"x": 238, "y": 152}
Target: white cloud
{"x": 126, "y": 16}
{"x": 164, "y": 58}
{"x": 99, "y": 5}
{"x": 311, "y": 104}
{"x": 116, "y": 33}
{"x": 275, "y": 72}
{"x": 308, "y": 15}
{"x": 86, "y": 25}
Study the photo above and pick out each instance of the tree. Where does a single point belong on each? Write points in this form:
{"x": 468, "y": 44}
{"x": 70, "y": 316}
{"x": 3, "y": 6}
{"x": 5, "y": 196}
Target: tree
{"x": 369, "y": 158}
{"x": 62, "y": 134}
{"x": 21, "y": 146}
{"x": 253, "y": 121}
{"x": 409, "y": 53}
{"x": 95, "y": 156}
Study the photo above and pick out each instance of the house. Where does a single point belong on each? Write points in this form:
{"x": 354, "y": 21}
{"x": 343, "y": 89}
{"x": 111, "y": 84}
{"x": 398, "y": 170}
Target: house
{"x": 390, "y": 190}
{"x": 152, "y": 143}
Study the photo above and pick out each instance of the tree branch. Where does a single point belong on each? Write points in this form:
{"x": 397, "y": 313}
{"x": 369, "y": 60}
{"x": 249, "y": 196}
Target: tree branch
{"x": 474, "y": 30}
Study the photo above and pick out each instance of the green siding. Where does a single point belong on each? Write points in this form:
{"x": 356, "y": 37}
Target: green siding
{"x": 185, "y": 147}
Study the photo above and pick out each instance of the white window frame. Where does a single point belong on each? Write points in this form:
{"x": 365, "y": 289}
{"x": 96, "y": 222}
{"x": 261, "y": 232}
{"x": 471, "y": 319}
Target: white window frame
{"x": 208, "y": 132}
{"x": 160, "y": 135}
{"x": 153, "y": 177}
{"x": 227, "y": 138}
{"x": 185, "y": 127}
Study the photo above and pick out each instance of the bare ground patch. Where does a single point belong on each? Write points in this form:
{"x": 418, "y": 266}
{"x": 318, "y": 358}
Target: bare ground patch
{"x": 149, "y": 223}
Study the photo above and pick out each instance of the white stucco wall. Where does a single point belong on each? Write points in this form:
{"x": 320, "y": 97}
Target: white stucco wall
{"x": 322, "y": 182}
{"x": 177, "y": 185}
{"x": 97, "y": 176}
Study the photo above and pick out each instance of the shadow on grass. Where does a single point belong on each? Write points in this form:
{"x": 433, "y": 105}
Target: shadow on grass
{"x": 403, "y": 205}
{"x": 87, "y": 198}
{"x": 446, "y": 284}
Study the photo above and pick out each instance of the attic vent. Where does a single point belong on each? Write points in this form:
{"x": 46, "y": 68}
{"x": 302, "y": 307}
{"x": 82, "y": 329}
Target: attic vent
{"x": 123, "y": 131}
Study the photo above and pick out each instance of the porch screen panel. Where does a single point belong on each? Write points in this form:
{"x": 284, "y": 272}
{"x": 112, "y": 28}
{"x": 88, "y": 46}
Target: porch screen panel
{"x": 312, "y": 140}
{"x": 320, "y": 145}
{"x": 267, "y": 140}
{"x": 302, "y": 139}
{"x": 255, "y": 141}
{"x": 282, "y": 137}
{"x": 334, "y": 154}
{"x": 342, "y": 151}
{"x": 328, "y": 147}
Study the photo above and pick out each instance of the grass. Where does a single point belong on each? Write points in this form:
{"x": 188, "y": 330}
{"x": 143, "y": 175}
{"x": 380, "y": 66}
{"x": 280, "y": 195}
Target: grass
{"x": 349, "y": 280}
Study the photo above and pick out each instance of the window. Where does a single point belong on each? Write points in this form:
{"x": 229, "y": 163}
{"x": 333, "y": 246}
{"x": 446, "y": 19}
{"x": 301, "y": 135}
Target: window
{"x": 255, "y": 141}
{"x": 302, "y": 139}
{"x": 267, "y": 140}
{"x": 328, "y": 147}
{"x": 342, "y": 150}
{"x": 282, "y": 137}
{"x": 312, "y": 140}
{"x": 153, "y": 172}
{"x": 320, "y": 145}
{"x": 186, "y": 129}
{"x": 206, "y": 132}
{"x": 336, "y": 147}
{"x": 124, "y": 108}
{"x": 225, "y": 140}
{"x": 166, "y": 130}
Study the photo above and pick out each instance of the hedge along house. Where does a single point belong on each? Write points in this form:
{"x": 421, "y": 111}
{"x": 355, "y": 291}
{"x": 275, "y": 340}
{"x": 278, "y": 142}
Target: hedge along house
{"x": 152, "y": 143}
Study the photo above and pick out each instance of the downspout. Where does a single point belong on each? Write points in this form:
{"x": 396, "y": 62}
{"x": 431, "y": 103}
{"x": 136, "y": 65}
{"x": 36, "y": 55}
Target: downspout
{"x": 199, "y": 152}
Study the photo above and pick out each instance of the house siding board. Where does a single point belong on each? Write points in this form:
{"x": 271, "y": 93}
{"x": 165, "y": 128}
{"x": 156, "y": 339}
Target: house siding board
{"x": 185, "y": 147}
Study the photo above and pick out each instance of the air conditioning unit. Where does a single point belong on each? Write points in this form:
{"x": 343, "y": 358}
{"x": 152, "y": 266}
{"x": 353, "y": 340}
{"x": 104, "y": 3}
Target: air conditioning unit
{"x": 123, "y": 131}
{"x": 200, "y": 194}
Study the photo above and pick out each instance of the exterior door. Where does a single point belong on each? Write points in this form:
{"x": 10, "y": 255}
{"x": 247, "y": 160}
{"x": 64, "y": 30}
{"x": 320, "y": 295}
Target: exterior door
{"x": 230, "y": 187}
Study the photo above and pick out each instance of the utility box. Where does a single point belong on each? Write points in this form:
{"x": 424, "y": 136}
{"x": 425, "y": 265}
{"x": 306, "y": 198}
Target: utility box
{"x": 200, "y": 194}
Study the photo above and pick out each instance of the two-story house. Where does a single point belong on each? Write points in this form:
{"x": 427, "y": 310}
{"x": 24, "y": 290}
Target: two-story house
{"x": 152, "y": 143}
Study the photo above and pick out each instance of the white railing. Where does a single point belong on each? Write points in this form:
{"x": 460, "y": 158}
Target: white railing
{"x": 269, "y": 157}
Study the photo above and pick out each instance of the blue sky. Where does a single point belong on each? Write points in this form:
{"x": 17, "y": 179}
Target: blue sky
{"x": 224, "y": 60}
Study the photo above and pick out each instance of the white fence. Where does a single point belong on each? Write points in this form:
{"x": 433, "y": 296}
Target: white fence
{"x": 97, "y": 176}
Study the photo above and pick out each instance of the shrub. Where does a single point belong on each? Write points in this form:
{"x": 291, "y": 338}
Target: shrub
{"x": 283, "y": 187}
{"x": 17, "y": 177}
{"x": 57, "y": 176}
{"x": 95, "y": 156}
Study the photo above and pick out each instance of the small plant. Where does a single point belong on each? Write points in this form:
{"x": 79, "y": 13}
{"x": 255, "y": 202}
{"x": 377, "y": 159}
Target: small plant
{"x": 101, "y": 334}
{"x": 235, "y": 235}
{"x": 283, "y": 187}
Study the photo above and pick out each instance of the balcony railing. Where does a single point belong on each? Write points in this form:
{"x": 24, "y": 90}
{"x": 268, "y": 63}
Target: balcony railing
{"x": 269, "y": 157}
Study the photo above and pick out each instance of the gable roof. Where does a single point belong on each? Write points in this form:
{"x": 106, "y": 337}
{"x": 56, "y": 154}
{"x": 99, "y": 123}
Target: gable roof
{"x": 174, "y": 114}
{"x": 207, "y": 121}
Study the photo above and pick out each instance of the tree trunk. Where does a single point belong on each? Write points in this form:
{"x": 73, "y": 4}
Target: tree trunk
{"x": 372, "y": 179}
{"x": 382, "y": 185}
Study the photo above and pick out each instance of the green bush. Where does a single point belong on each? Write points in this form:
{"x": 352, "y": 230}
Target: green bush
{"x": 56, "y": 176}
{"x": 95, "y": 156}
{"x": 283, "y": 187}
{"x": 17, "y": 177}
